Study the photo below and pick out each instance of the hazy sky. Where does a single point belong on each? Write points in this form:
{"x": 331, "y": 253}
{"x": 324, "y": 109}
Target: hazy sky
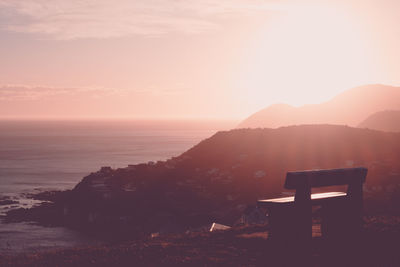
{"x": 189, "y": 58}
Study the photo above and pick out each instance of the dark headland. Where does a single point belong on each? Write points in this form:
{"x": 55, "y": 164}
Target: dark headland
{"x": 158, "y": 213}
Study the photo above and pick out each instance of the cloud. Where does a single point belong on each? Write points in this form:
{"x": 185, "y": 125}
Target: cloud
{"x": 23, "y": 92}
{"x": 75, "y": 19}
{"x": 26, "y": 92}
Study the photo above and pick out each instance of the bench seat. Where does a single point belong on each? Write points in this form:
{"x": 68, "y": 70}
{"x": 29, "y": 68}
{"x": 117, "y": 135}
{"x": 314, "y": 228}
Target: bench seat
{"x": 316, "y": 199}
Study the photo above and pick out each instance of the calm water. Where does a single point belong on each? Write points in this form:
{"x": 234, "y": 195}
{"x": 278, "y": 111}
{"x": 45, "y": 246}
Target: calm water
{"x": 38, "y": 156}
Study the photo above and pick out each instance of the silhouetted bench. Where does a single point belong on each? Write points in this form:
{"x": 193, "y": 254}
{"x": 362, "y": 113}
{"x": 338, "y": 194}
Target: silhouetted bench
{"x": 291, "y": 217}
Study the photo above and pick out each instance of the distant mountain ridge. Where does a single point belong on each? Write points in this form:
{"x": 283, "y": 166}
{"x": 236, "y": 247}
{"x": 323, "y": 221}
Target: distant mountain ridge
{"x": 348, "y": 108}
{"x": 388, "y": 121}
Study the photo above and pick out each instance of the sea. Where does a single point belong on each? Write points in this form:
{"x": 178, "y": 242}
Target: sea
{"x": 42, "y": 155}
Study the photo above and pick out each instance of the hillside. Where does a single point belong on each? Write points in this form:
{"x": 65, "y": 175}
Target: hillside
{"x": 220, "y": 180}
{"x": 388, "y": 121}
{"x": 348, "y": 108}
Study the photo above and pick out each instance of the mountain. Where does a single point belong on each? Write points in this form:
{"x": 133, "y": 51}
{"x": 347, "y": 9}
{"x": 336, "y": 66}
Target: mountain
{"x": 347, "y": 108}
{"x": 219, "y": 180}
{"x": 388, "y": 121}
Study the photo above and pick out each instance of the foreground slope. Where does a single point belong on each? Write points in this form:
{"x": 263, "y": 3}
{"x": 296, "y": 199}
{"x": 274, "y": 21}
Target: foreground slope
{"x": 348, "y": 108}
{"x": 243, "y": 246}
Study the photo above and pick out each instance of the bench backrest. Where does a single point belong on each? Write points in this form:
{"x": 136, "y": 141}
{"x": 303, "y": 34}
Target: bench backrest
{"x": 321, "y": 178}
{"x": 305, "y": 180}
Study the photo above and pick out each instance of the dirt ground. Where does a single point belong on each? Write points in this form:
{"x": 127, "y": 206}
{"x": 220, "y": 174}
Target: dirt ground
{"x": 379, "y": 245}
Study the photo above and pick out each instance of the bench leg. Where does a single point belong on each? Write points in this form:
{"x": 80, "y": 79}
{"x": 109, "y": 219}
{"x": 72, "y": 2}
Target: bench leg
{"x": 279, "y": 221}
{"x": 291, "y": 233}
{"x": 291, "y": 223}
{"x": 341, "y": 221}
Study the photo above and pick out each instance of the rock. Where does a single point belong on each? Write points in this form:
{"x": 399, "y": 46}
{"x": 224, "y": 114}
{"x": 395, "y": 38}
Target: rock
{"x": 218, "y": 227}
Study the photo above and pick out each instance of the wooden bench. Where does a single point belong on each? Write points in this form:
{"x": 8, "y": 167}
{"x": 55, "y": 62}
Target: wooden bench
{"x": 291, "y": 217}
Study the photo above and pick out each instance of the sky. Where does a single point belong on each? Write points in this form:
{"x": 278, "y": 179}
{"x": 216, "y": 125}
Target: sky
{"x": 183, "y": 59}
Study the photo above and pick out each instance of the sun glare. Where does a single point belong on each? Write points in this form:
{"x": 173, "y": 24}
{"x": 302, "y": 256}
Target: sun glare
{"x": 306, "y": 56}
